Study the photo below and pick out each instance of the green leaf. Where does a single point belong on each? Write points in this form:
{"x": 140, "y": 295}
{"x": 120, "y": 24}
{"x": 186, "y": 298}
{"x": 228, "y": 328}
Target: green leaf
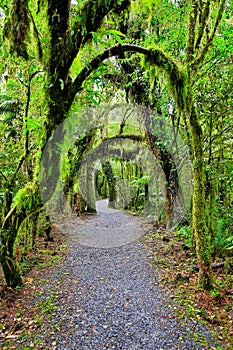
{"x": 94, "y": 101}
{"x": 117, "y": 35}
{"x": 116, "y": 32}
{"x": 95, "y": 37}
{"x": 62, "y": 84}
{"x": 32, "y": 125}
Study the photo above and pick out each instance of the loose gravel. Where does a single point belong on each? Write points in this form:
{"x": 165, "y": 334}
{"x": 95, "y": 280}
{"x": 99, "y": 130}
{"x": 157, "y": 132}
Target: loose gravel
{"x": 108, "y": 298}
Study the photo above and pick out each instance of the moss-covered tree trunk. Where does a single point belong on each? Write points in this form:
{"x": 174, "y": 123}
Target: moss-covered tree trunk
{"x": 180, "y": 83}
{"x": 87, "y": 186}
{"x": 200, "y": 221}
{"x": 9, "y": 263}
{"x": 168, "y": 165}
{"x": 27, "y": 201}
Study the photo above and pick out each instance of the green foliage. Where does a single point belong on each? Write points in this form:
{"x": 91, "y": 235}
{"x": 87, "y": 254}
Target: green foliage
{"x": 110, "y": 178}
{"x": 25, "y": 197}
{"x": 116, "y": 35}
{"x": 223, "y": 239}
{"x": 141, "y": 181}
{"x": 33, "y": 126}
{"x": 186, "y": 235}
{"x": 49, "y": 305}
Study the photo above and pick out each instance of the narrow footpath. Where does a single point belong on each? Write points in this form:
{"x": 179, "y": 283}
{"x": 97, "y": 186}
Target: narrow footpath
{"x": 107, "y": 295}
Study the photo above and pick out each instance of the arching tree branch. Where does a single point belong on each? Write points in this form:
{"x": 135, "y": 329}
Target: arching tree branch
{"x": 96, "y": 62}
{"x": 155, "y": 56}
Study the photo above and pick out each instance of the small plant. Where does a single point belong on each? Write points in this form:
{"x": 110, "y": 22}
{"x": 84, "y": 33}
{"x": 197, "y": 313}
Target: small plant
{"x": 50, "y": 262}
{"x": 214, "y": 293}
{"x": 7, "y": 343}
{"x": 186, "y": 234}
{"x": 49, "y": 304}
{"x": 24, "y": 335}
{"x": 37, "y": 341}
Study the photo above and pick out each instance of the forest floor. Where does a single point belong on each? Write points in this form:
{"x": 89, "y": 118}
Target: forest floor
{"x": 141, "y": 295}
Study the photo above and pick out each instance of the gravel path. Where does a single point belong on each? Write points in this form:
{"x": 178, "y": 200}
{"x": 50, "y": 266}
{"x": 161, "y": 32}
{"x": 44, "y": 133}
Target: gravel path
{"x": 108, "y": 298}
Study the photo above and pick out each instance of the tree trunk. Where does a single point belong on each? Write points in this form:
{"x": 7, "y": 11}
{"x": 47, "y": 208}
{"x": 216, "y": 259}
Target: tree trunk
{"x": 200, "y": 227}
{"x": 168, "y": 165}
{"x": 27, "y": 201}
{"x": 8, "y": 260}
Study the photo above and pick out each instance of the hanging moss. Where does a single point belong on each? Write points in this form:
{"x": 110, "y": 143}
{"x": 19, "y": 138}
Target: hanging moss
{"x": 27, "y": 198}
{"x": 177, "y": 77}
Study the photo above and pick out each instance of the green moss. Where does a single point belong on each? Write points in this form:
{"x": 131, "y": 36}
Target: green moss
{"x": 177, "y": 76}
{"x": 20, "y": 219}
{"x": 17, "y": 28}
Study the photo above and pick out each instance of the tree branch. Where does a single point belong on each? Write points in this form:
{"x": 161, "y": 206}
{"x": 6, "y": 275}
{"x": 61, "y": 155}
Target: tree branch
{"x": 91, "y": 17}
{"x": 176, "y": 77}
{"x": 5, "y": 178}
{"x": 58, "y": 20}
{"x": 8, "y": 216}
{"x": 129, "y": 136}
{"x": 189, "y": 50}
{"x": 203, "y": 22}
{"x": 96, "y": 62}
{"x": 209, "y": 42}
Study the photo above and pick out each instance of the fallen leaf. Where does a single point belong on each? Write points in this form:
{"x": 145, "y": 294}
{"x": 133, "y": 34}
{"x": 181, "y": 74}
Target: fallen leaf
{"x": 128, "y": 324}
{"x": 11, "y": 336}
